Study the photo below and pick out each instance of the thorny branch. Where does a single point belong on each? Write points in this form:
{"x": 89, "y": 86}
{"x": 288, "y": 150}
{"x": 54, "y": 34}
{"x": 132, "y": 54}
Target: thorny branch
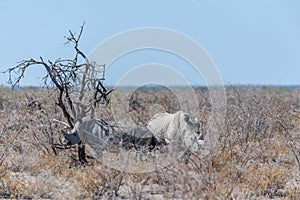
{"x": 78, "y": 88}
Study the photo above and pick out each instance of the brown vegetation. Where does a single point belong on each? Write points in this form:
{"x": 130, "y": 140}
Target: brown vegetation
{"x": 258, "y": 156}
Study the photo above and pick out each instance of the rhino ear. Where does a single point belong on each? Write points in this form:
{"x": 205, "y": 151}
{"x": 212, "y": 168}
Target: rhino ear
{"x": 186, "y": 117}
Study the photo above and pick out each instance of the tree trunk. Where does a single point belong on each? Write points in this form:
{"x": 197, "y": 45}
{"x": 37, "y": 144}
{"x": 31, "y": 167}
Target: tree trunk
{"x": 81, "y": 153}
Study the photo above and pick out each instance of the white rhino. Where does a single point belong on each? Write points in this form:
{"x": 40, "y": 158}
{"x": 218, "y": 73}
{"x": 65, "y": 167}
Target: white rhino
{"x": 179, "y": 129}
{"x": 96, "y": 133}
{"x": 100, "y": 135}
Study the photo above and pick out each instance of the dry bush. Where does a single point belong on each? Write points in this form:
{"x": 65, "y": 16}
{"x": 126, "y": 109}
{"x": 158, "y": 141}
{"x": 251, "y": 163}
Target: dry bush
{"x": 258, "y": 156}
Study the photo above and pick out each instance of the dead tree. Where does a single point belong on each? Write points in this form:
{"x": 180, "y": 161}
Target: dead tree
{"x": 78, "y": 83}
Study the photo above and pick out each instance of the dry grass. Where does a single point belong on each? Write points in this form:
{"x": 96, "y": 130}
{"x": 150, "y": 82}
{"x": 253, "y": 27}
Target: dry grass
{"x": 257, "y": 159}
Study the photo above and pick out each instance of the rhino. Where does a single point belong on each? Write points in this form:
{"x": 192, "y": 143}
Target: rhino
{"x": 178, "y": 128}
{"x": 96, "y": 133}
{"x": 100, "y": 135}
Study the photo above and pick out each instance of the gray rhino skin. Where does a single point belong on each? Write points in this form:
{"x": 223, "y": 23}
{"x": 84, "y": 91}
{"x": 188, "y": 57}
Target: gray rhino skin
{"x": 101, "y": 136}
{"x": 141, "y": 138}
{"x": 96, "y": 133}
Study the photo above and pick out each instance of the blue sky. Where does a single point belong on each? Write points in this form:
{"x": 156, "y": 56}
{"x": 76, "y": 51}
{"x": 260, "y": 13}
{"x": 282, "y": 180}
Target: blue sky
{"x": 251, "y": 42}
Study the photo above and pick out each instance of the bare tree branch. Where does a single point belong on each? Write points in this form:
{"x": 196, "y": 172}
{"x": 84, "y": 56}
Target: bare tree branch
{"x": 70, "y": 78}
